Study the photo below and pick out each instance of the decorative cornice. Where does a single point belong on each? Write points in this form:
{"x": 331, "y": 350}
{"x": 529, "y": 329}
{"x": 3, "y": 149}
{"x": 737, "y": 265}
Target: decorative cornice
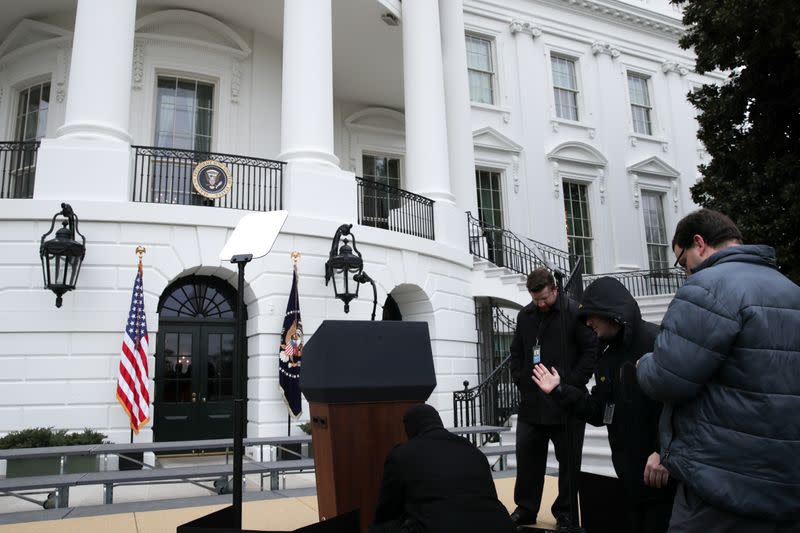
{"x": 518, "y": 26}
{"x": 556, "y": 179}
{"x": 636, "y": 188}
{"x": 600, "y": 47}
{"x": 674, "y": 66}
{"x": 137, "y": 75}
{"x": 61, "y": 73}
{"x": 236, "y": 79}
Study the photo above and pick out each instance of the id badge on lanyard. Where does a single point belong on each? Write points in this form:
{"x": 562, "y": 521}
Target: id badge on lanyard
{"x": 537, "y": 354}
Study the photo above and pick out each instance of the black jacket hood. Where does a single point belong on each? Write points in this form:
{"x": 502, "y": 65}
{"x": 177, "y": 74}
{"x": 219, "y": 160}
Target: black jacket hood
{"x": 421, "y": 419}
{"x": 608, "y": 298}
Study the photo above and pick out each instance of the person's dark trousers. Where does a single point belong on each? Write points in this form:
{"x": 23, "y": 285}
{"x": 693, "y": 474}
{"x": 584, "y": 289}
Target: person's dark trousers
{"x": 691, "y": 514}
{"x": 532, "y": 463}
{"x": 650, "y": 517}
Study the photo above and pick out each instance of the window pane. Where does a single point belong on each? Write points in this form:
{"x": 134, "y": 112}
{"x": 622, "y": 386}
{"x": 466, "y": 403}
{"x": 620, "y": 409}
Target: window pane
{"x": 480, "y": 69}
{"x": 655, "y": 230}
{"x": 578, "y": 223}
{"x": 205, "y": 94}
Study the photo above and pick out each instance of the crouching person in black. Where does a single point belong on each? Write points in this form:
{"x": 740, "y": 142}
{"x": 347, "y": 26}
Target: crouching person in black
{"x": 618, "y": 402}
{"x": 437, "y": 482}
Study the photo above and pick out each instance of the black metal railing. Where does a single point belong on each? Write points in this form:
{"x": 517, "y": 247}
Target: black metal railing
{"x": 646, "y": 282}
{"x": 387, "y": 207}
{"x": 164, "y": 176}
{"x": 503, "y": 248}
{"x": 17, "y": 168}
{"x": 496, "y": 398}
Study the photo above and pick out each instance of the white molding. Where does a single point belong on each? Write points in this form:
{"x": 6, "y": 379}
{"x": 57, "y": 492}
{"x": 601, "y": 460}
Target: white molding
{"x": 674, "y": 66}
{"x": 26, "y": 27}
{"x": 578, "y": 152}
{"x": 238, "y": 47}
{"x": 236, "y": 79}
{"x": 491, "y": 139}
{"x": 518, "y": 26}
{"x": 60, "y": 74}
{"x": 137, "y": 72}
{"x": 601, "y": 47}
{"x": 654, "y": 166}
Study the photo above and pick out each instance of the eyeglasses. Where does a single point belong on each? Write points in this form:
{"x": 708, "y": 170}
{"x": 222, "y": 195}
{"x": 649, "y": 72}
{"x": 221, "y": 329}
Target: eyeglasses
{"x": 678, "y": 260}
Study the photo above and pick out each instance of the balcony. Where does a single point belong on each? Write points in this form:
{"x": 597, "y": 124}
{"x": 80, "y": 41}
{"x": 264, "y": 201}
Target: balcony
{"x": 164, "y": 176}
{"x": 17, "y": 168}
{"x": 387, "y": 207}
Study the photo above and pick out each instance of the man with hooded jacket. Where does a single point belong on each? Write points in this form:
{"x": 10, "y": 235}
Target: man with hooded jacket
{"x": 618, "y": 402}
{"x": 437, "y": 482}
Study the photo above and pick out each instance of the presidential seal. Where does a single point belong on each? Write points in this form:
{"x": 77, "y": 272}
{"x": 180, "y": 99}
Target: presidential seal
{"x": 212, "y": 179}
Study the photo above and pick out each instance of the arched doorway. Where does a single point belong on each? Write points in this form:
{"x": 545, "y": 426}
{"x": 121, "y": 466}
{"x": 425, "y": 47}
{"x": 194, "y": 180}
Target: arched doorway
{"x": 194, "y": 360}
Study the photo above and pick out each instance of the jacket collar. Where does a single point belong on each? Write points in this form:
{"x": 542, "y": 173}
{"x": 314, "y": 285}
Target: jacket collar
{"x": 758, "y": 254}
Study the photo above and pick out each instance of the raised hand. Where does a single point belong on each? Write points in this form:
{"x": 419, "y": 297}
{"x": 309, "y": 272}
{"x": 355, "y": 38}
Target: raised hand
{"x": 546, "y": 380}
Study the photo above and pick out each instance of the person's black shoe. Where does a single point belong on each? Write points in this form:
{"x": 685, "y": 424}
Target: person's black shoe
{"x": 563, "y": 523}
{"x": 521, "y": 517}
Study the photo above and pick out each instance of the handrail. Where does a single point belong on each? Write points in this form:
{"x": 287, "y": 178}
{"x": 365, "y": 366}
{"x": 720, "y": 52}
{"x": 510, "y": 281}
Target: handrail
{"x": 18, "y": 168}
{"x": 505, "y": 249}
{"x": 164, "y": 175}
{"x": 387, "y": 207}
{"x": 645, "y": 282}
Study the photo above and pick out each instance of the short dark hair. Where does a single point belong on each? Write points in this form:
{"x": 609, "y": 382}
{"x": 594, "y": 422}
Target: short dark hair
{"x": 715, "y": 228}
{"x": 539, "y": 279}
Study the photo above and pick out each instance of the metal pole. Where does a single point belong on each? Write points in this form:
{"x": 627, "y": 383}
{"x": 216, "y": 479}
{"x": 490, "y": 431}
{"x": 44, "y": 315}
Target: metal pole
{"x": 238, "y": 401}
{"x": 569, "y": 437}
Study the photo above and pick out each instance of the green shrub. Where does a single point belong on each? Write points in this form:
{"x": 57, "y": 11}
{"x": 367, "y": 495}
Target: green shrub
{"x": 44, "y": 437}
{"x": 305, "y": 427}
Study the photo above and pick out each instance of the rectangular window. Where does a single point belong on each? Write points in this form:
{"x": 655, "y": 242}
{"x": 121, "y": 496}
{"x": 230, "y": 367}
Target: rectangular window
{"x": 33, "y": 105}
{"x": 655, "y": 230}
{"x": 565, "y": 87}
{"x": 490, "y": 213}
{"x": 385, "y": 170}
{"x": 480, "y": 68}
{"x": 185, "y": 111}
{"x": 579, "y": 224}
{"x": 184, "y": 118}
{"x": 640, "y": 103}
{"x": 30, "y": 125}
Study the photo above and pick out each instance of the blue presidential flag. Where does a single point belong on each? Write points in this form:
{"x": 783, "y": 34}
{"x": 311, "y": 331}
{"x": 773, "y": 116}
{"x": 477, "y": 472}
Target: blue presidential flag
{"x": 291, "y": 351}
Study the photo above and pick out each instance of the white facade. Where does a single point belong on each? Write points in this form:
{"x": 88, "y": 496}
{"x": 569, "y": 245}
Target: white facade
{"x": 319, "y": 84}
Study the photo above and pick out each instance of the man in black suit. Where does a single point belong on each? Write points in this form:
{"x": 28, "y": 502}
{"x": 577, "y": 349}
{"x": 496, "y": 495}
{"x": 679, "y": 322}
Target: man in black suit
{"x": 437, "y": 482}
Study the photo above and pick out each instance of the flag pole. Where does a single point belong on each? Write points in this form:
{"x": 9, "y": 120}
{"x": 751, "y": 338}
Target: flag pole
{"x": 140, "y": 251}
{"x": 295, "y": 261}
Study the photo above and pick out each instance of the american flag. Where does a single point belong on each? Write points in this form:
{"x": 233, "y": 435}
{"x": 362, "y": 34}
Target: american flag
{"x": 291, "y": 352}
{"x": 133, "y": 373}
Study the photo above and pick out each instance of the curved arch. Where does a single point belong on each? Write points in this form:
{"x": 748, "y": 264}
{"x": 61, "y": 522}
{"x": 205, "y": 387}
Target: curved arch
{"x": 197, "y": 296}
{"x": 396, "y": 119}
{"x": 578, "y": 152}
{"x": 183, "y": 17}
{"x": 414, "y": 304}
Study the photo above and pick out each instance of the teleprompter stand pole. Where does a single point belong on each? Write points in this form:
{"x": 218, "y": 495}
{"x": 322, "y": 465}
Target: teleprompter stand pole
{"x": 238, "y": 401}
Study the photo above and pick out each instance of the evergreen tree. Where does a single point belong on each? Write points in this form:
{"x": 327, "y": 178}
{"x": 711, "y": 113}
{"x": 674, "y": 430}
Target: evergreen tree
{"x": 750, "y": 125}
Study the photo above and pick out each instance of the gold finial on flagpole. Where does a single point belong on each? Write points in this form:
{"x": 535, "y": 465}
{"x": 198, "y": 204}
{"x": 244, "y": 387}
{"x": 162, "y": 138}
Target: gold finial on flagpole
{"x": 140, "y": 251}
{"x": 295, "y": 258}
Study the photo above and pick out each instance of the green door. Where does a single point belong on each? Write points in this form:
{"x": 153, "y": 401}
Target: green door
{"x": 194, "y": 362}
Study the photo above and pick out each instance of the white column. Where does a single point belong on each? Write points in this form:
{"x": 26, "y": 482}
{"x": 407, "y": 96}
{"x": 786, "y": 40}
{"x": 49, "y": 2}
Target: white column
{"x": 684, "y": 139}
{"x": 427, "y": 167}
{"x": 90, "y": 157}
{"x": 459, "y": 124}
{"x": 314, "y": 185}
{"x": 625, "y": 251}
{"x": 307, "y": 90}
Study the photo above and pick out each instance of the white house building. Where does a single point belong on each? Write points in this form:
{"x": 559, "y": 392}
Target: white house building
{"x": 561, "y": 121}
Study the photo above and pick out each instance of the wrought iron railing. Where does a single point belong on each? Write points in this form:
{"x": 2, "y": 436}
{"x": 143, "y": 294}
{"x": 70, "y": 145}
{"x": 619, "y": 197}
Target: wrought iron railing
{"x": 387, "y": 207}
{"x": 164, "y": 176}
{"x": 496, "y": 398}
{"x": 17, "y": 168}
{"x": 503, "y": 248}
{"x": 646, "y": 282}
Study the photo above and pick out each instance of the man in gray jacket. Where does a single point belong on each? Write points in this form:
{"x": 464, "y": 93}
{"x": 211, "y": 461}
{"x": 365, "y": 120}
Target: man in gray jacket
{"x": 726, "y": 364}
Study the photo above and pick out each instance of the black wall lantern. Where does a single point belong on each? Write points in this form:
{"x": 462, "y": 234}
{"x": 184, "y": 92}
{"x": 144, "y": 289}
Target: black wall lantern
{"x": 346, "y": 269}
{"x": 62, "y": 256}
